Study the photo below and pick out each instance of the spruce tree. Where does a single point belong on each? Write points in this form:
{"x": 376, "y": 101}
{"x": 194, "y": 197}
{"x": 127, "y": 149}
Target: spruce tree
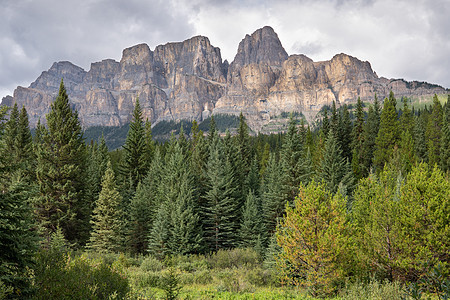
{"x": 358, "y": 143}
{"x": 251, "y": 230}
{"x": 433, "y": 132}
{"x": 388, "y": 134}
{"x": 220, "y": 210}
{"x": 18, "y": 240}
{"x": 445, "y": 138}
{"x": 61, "y": 175}
{"x": 144, "y": 206}
{"x": 420, "y": 144}
{"x": 335, "y": 170}
{"x": 136, "y": 150}
{"x": 344, "y": 133}
{"x": 273, "y": 196}
{"x": 107, "y": 225}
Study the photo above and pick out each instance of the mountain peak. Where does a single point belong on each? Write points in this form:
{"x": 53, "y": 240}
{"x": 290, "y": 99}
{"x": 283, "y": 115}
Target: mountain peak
{"x": 262, "y": 46}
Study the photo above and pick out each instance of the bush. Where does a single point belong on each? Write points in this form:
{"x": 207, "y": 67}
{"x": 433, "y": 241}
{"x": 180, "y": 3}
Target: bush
{"x": 146, "y": 279}
{"x": 150, "y": 263}
{"x": 223, "y": 259}
{"x": 233, "y": 281}
{"x": 62, "y": 276}
{"x": 373, "y": 290}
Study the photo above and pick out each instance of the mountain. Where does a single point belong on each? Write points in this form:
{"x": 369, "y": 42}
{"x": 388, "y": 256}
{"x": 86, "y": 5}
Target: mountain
{"x": 189, "y": 80}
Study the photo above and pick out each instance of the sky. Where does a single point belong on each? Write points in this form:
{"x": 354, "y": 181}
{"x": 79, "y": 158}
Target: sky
{"x": 407, "y": 39}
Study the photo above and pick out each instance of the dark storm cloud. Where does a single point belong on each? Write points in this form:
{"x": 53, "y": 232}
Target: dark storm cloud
{"x": 401, "y": 39}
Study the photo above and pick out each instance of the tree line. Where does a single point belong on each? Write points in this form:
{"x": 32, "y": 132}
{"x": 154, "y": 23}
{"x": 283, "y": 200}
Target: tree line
{"x": 349, "y": 198}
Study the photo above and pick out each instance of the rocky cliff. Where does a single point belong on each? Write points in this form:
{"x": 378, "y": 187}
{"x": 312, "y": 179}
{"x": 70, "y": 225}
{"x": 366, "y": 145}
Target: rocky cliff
{"x": 189, "y": 80}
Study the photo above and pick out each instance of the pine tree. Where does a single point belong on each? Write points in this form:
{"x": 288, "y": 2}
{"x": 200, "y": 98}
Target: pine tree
{"x": 135, "y": 163}
{"x": 434, "y": 131}
{"x": 107, "y": 226}
{"x": 445, "y": 138}
{"x": 251, "y": 230}
{"x": 182, "y": 233}
{"x": 358, "y": 142}
{"x": 335, "y": 170}
{"x": 273, "y": 199}
{"x": 388, "y": 134}
{"x": 314, "y": 240}
{"x": 220, "y": 212}
{"x": 61, "y": 165}
{"x": 344, "y": 133}
{"x": 144, "y": 206}
{"x": 295, "y": 168}
{"x": 371, "y": 128}
{"x": 98, "y": 158}
{"x": 18, "y": 240}
{"x": 420, "y": 144}
{"x": 325, "y": 122}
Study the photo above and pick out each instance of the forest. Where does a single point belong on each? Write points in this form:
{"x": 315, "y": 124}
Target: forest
{"x": 356, "y": 207}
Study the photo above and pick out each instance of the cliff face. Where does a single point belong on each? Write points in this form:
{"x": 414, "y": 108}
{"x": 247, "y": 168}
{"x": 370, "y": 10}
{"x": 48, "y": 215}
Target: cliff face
{"x": 188, "y": 80}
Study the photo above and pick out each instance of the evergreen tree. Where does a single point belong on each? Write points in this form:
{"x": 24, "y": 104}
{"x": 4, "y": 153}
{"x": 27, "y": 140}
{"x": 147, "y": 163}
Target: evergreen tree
{"x": 273, "y": 197}
{"x": 220, "y": 212}
{"x": 358, "y": 142}
{"x": 334, "y": 121}
{"x": 335, "y": 170}
{"x": 107, "y": 226}
{"x": 159, "y": 233}
{"x": 253, "y": 182}
{"x": 182, "y": 230}
{"x": 61, "y": 165}
{"x": 371, "y": 128}
{"x": 434, "y": 131}
{"x": 388, "y": 134}
{"x": 420, "y": 144}
{"x": 314, "y": 240}
{"x": 445, "y": 138}
{"x": 98, "y": 158}
{"x": 344, "y": 133}
{"x": 325, "y": 122}
{"x": 135, "y": 163}
{"x": 18, "y": 240}
{"x": 144, "y": 206}
{"x": 295, "y": 168}
{"x": 251, "y": 230}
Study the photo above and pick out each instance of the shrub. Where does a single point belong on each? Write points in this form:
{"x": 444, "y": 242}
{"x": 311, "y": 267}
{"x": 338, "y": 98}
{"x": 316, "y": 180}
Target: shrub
{"x": 234, "y": 258}
{"x": 62, "y": 276}
{"x": 170, "y": 283}
{"x": 373, "y": 290}
{"x": 233, "y": 281}
{"x": 145, "y": 279}
{"x": 150, "y": 263}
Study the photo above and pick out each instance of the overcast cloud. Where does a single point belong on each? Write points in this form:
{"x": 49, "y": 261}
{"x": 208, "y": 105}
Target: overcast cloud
{"x": 407, "y": 39}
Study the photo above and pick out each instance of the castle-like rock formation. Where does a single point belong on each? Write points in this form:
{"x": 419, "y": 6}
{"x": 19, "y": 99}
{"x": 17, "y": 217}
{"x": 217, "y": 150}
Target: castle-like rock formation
{"x": 189, "y": 80}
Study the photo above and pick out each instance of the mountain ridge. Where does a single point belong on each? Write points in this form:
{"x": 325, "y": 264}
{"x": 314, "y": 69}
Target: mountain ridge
{"x": 189, "y": 80}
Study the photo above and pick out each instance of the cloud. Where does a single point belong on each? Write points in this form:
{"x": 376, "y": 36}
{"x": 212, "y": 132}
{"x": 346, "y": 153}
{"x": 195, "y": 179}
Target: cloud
{"x": 401, "y": 39}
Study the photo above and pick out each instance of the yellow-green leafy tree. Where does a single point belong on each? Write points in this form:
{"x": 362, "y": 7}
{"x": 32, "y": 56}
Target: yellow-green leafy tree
{"x": 314, "y": 240}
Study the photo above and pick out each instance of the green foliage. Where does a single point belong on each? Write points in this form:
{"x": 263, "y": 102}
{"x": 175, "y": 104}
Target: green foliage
{"x": 314, "y": 240}
{"x": 388, "y": 134}
{"x": 434, "y": 132}
{"x": 60, "y": 275}
{"x": 115, "y": 136}
{"x": 445, "y": 138}
{"x": 234, "y": 258}
{"x": 335, "y": 171}
{"x": 251, "y": 231}
{"x": 136, "y": 161}
{"x": 170, "y": 283}
{"x": 107, "y": 220}
{"x": 372, "y": 290}
{"x": 220, "y": 200}
{"x": 18, "y": 240}
{"x": 61, "y": 175}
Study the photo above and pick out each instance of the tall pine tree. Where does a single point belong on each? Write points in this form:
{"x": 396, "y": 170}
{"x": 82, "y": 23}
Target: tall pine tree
{"x": 107, "y": 222}
{"x": 61, "y": 165}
